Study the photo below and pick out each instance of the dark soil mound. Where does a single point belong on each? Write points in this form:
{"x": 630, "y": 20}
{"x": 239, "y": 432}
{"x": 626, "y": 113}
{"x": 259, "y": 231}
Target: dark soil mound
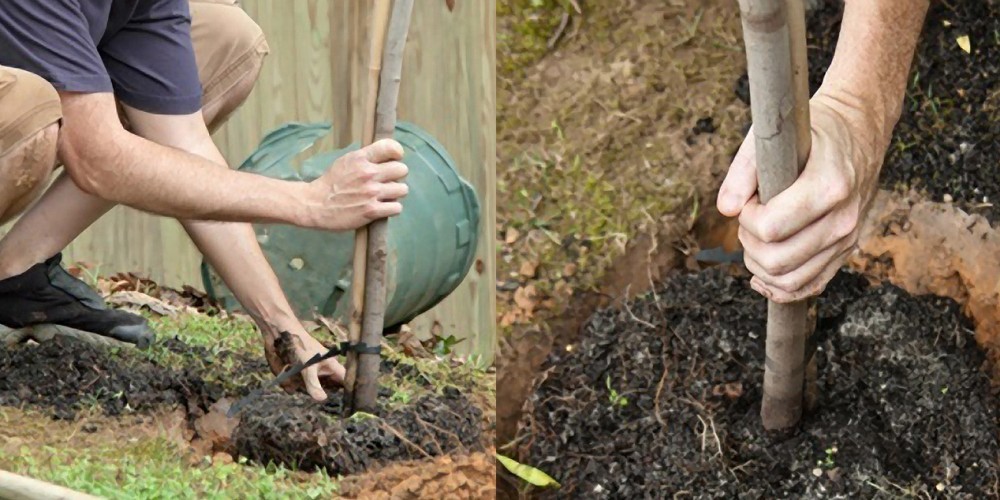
{"x": 948, "y": 139}
{"x": 905, "y": 404}
{"x": 65, "y": 375}
{"x": 295, "y": 431}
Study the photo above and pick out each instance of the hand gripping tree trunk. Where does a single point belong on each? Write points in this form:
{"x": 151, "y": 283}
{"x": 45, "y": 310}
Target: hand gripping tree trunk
{"x": 370, "y": 256}
{"x": 780, "y": 110}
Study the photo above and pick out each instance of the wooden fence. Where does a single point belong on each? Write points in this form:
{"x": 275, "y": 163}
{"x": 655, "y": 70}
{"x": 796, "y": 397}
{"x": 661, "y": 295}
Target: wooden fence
{"x": 316, "y": 72}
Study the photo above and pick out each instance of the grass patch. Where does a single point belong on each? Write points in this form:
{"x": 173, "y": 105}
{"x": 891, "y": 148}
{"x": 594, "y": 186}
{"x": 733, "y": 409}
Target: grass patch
{"x": 157, "y": 468}
{"x": 524, "y": 28}
{"x": 599, "y": 144}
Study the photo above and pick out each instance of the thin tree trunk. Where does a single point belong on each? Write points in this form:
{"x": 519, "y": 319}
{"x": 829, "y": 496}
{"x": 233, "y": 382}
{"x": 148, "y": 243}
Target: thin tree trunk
{"x": 772, "y": 105}
{"x": 366, "y": 387}
{"x": 380, "y": 20}
{"x": 803, "y": 145}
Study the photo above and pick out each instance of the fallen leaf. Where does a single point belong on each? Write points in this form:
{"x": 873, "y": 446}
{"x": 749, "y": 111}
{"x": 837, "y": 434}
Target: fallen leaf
{"x": 527, "y": 472}
{"x": 512, "y": 235}
{"x": 336, "y": 329}
{"x": 529, "y": 269}
{"x": 569, "y": 269}
{"x": 508, "y": 319}
{"x": 963, "y": 42}
{"x": 411, "y": 344}
{"x": 732, "y": 390}
{"x": 526, "y": 298}
{"x": 140, "y": 300}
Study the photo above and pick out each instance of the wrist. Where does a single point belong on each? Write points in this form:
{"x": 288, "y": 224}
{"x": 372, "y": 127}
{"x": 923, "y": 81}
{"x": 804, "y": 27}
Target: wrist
{"x": 864, "y": 113}
{"x": 303, "y": 208}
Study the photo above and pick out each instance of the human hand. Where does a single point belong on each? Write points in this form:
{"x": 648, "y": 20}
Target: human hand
{"x": 288, "y": 348}
{"x": 795, "y": 243}
{"x": 360, "y": 187}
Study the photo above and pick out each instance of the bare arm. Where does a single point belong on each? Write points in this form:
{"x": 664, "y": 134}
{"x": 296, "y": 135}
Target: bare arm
{"x": 109, "y": 162}
{"x": 871, "y": 65}
{"x": 797, "y": 242}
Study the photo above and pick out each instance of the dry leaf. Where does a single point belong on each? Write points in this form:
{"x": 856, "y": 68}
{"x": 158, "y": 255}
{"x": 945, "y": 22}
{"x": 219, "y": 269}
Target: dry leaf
{"x": 526, "y": 298}
{"x": 732, "y": 390}
{"x": 140, "y": 300}
{"x": 509, "y": 318}
{"x": 512, "y": 235}
{"x": 963, "y": 42}
{"x": 336, "y": 329}
{"x": 411, "y": 344}
{"x": 529, "y": 269}
{"x": 569, "y": 269}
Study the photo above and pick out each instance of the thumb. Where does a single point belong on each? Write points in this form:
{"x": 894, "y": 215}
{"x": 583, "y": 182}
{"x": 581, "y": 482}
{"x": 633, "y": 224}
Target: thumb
{"x": 741, "y": 181}
{"x": 311, "y": 378}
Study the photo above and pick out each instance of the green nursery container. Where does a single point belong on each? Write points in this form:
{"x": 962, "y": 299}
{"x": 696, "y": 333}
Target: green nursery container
{"x": 431, "y": 245}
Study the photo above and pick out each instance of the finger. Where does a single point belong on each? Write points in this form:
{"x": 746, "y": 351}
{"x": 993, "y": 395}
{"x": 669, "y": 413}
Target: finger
{"x": 811, "y": 289}
{"x": 393, "y": 191}
{"x": 383, "y": 150}
{"x": 311, "y": 378}
{"x": 803, "y": 278}
{"x": 390, "y": 171}
{"x": 783, "y": 256}
{"x": 796, "y": 278}
{"x": 383, "y": 209}
{"x": 807, "y": 200}
{"x": 741, "y": 180}
{"x": 331, "y": 374}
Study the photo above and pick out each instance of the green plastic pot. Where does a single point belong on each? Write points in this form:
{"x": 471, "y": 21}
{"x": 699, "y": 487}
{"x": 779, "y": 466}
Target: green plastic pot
{"x": 431, "y": 245}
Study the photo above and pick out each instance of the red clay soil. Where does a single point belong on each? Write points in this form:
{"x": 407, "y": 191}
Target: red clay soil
{"x": 449, "y": 477}
{"x": 935, "y": 248}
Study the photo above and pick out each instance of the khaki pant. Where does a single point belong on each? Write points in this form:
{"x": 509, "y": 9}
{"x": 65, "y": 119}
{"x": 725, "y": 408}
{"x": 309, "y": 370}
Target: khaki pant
{"x": 229, "y": 49}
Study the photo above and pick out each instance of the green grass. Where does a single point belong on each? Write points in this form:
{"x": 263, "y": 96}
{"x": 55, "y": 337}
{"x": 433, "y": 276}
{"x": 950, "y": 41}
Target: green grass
{"x": 526, "y": 28}
{"x": 156, "y": 468}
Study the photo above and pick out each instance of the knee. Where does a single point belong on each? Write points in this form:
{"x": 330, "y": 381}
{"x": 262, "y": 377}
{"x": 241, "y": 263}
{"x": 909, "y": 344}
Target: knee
{"x": 25, "y": 169}
{"x": 231, "y": 49}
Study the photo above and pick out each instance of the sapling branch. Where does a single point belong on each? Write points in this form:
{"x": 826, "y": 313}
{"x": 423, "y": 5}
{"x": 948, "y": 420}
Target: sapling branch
{"x": 773, "y": 107}
{"x": 366, "y": 385}
{"x": 380, "y": 20}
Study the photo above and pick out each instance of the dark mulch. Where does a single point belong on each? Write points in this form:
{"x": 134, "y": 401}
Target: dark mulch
{"x": 947, "y": 141}
{"x": 295, "y": 431}
{"x": 905, "y": 403}
{"x": 65, "y": 375}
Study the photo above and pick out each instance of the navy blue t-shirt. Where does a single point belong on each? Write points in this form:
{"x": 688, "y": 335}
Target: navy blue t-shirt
{"x": 139, "y": 49}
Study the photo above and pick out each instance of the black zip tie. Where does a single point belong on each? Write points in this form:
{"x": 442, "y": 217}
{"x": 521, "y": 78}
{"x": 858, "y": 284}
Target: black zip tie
{"x": 297, "y": 368}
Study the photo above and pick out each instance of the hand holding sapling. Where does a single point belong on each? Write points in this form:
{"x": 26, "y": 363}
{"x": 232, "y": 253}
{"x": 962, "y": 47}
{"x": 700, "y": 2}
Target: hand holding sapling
{"x": 361, "y": 187}
{"x": 795, "y": 244}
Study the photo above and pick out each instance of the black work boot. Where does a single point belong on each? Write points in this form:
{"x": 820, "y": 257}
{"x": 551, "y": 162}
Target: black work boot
{"x": 47, "y": 294}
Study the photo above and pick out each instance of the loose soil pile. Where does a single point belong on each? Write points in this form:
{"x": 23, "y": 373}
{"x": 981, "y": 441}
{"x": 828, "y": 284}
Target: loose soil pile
{"x": 295, "y": 431}
{"x": 65, "y": 376}
{"x": 662, "y": 397}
